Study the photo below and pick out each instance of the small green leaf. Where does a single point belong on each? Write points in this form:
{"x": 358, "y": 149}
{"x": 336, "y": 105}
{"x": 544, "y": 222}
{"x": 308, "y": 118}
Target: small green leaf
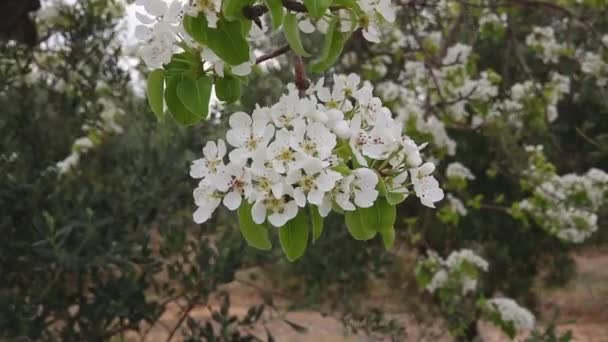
{"x": 256, "y": 235}
{"x": 276, "y": 12}
{"x": 342, "y": 169}
{"x": 177, "y": 109}
{"x": 155, "y": 90}
{"x": 358, "y": 225}
{"x": 197, "y": 28}
{"x": 228, "y": 88}
{"x": 228, "y": 43}
{"x": 332, "y": 48}
{"x": 294, "y": 236}
{"x": 363, "y": 223}
{"x": 233, "y": 9}
{"x": 180, "y": 64}
{"x": 316, "y": 8}
{"x": 343, "y": 151}
{"x": 317, "y": 223}
{"x": 381, "y": 186}
{"x": 195, "y": 95}
{"x": 386, "y": 214}
{"x": 388, "y": 238}
{"x": 292, "y": 34}
{"x": 394, "y": 198}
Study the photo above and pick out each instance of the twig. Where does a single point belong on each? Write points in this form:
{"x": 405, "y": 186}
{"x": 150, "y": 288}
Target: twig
{"x": 300, "y": 74}
{"x": 183, "y": 317}
{"x": 272, "y": 54}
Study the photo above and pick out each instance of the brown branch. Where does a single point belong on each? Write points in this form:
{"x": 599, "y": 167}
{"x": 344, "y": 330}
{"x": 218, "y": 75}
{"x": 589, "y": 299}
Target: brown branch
{"x": 183, "y": 317}
{"x": 272, "y": 54}
{"x": 300, "y": 74}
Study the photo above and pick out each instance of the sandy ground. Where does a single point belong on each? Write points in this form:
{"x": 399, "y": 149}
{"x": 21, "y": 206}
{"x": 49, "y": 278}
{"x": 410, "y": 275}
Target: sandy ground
{"x": 583, "y": 305}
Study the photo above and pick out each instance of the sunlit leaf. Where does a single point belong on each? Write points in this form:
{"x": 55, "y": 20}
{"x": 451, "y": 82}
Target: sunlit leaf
{"x": 316, "y": 8}
{"x": 195, "y": 94}
{"x": 155, "y": 91}
{"x": 294, "y": 236}
{"x": 228, "y": 88}
{"x": 292, "y": 34}
{"x": 256, "y": 235}
{"x": 317, "y": 223}
{"x": 276, "y": 12}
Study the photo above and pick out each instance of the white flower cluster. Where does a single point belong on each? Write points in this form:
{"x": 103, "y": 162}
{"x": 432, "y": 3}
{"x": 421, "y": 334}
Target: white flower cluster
{"x": 457, "y": 170}
{"x": 566, "y": 205}
{"x": 542, "y": 39}
{"x": 593, "y": 64}
{"x": 290, "y": 154}
{"x": 510, "y": 311}
{"x": 521, "y": 104}
{"x": 460, "y": 270}
{"x": 374, "y": 13}
{"x": 160, "y": 28}
{"x": 450, "y": 87}
{"x": 493, "y": 19}
{"x": 160, "y": 31}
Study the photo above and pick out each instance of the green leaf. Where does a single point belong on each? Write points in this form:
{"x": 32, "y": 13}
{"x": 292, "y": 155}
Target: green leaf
{"x": 177, "y": 109}
{"x": 332, "y": 48}
{"x": 381, "y": 186}
{"x": 155, "y": 90}
{"x": 292, "y": 34}
{"x": 180, "y": 64}
{"x": 343, "y": 150}
{"x": 386, "y": 214}
{"x": 394, "y": 198}
{"x": 358, "y": 225}
{"x": 294, "y": 236}
{"x": 228, "y": 43}
{"x": 195, "y": 95}
{"x": 388, "y": 238}
{"x": 317, "y": 223}
{"x": 256, "y": 235}
{"x": 276, "y": 12}
{"x": 365, "y": 222}
{"x": 197, "y": 28}
{"x": 233, "y": 9}
{"x": 342, "y": 169}
{"x": 228, "y": 88}
{"x": 316, "y": 8}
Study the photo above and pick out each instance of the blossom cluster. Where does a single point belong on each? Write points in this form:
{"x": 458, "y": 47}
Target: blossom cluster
{"x": 512, "y": 313}
{"x": 565, "y": 206}
{"x": 449, "y": 86}
{"x": 331, "y": 147}
{"x": 161, "y": 32}
{"x": 459, "y": 272}
{"x": 542, "y": 39}
{"x": 373, "y": 14}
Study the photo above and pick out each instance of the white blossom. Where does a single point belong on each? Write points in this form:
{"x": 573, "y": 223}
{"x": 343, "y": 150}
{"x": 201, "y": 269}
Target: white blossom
{"x": 510, "y": 311}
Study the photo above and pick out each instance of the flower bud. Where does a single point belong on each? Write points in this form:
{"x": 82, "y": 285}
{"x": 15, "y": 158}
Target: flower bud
{"x": 426, "y": 169}
{"x": 413, "y": 160}
{"x": 318, "y": 116}
{"x": 342, "y": 129}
